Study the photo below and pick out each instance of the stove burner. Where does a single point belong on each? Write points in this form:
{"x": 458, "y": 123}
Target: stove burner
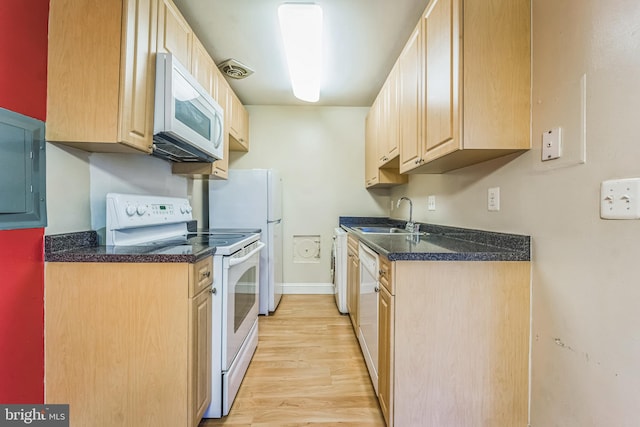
{"x": 217, "y": 238}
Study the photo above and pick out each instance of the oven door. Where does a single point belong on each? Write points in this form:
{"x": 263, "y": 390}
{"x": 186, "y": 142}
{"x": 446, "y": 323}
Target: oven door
{"x": 240, "y": 307}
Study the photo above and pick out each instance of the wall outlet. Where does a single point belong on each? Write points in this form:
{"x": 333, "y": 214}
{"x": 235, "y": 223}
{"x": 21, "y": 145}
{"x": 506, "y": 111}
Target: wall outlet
{"x": 493, "y": 199}
{"x": 431, "y": 203}
{"x": 391, "y": 205}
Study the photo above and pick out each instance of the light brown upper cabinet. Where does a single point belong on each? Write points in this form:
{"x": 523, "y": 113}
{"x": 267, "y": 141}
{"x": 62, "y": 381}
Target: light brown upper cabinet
{"x": 410, "y": 63}
{"x": 375, "y": 176}
{"x": 239, "y": 125}
{"x": 202, "y": 67}
{"x": 371, "y": 146}
{"x": 476, "y": 79}
{"x": 101, "y": 74}
{"x": 174, "y": 33}
{"x": 388, "y": 122}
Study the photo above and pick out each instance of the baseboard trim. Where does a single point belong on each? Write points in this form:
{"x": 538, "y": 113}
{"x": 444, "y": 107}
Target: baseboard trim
{"x": 307, "y": 288}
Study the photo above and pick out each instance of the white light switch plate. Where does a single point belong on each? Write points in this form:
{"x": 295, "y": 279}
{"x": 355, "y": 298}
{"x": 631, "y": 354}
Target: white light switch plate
{"x": 493, "y": 199}
{"x": 431, "y": 203}
{"x": 620, "y": 199}
{"x": 552, "y": 144}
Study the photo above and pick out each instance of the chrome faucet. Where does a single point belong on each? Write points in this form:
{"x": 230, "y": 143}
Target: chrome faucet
{"x": 410, "y": 226}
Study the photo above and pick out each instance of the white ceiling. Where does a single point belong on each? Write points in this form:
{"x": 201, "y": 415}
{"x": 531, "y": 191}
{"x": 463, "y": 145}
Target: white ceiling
{"x": 363, "y": 38}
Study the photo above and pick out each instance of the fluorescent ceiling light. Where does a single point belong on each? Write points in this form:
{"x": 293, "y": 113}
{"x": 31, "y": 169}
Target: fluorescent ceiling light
{"x": 301, "y": 27}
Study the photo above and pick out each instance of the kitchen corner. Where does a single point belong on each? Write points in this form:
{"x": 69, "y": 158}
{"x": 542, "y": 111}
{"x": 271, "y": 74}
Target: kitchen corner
{"x": 155, "y": 288}
{"x": 444, "y": 309}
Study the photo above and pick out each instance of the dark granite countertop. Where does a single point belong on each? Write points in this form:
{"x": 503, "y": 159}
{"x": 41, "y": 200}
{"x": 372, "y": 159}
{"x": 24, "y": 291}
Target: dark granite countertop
{"x": 84, "y": 247}
{"x": 440, "y": 243}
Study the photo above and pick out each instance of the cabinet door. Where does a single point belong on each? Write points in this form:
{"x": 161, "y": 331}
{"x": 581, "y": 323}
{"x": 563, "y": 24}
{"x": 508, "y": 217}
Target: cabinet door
{"x": 202, "y": 66}
{"x": 375, "y": 129}
{"x": 138, "y": 87}
{"x": 100, "y": 74}
{"x": 371, "y": 146}
{"x": 239, "y": 124}
{"x": 411, "y": 102}
{"x": 200, "y": 376}
{"x": 393, "y": 114}
{"x": 441, "y": 29}
{"x": 353, "y": 288}
{"x": 385, "y": 346}
{"x": 174, "y": 33}
{"x": 388, "y": 119}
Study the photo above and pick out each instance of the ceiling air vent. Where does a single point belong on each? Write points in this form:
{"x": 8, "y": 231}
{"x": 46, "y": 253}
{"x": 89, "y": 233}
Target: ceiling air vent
{"x": 235, "y": 69}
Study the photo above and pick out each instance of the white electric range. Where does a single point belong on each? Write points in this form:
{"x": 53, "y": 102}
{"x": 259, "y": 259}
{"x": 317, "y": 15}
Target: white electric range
{"x": 161, "y": 223}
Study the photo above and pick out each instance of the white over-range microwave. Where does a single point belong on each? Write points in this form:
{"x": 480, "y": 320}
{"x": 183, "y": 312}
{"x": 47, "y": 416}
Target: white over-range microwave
{"x": 188, "y": 122}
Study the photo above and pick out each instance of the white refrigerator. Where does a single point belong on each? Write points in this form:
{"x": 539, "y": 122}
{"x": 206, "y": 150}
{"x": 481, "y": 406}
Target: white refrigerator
{"x": 252, "y": 198}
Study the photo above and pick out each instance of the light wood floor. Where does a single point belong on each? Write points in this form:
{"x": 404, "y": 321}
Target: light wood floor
{"x": 307, "y": 370}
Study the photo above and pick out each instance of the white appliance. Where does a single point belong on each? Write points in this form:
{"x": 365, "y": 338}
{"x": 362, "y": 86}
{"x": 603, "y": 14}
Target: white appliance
{"x": 236, "y": 269}
{"x": 368, "y": 308}
{"x": 252, "y": 198}
{"x": 161, "y": 223}
{"x": 339, "y": 268}
{"x": 134, "y": 219}
{"x": 188, "y": 122}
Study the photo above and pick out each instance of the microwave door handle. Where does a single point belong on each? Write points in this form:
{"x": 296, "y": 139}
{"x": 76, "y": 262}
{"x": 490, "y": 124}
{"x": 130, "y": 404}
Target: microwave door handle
{"x": 236, "y": 261}
{"x": 220, "y": 129}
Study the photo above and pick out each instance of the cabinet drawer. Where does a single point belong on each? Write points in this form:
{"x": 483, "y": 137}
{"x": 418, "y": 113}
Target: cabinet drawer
{"x": 385, "y": 274}
{"x": 201, "y": 276}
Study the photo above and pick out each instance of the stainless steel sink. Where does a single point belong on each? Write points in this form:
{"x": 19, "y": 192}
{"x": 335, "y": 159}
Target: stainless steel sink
{"x": 385, "y": 230}
{"x": 380, "y": 230}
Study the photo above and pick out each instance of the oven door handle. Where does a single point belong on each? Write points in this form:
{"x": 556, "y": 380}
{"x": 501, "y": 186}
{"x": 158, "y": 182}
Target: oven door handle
{"x": 236, "y": 261}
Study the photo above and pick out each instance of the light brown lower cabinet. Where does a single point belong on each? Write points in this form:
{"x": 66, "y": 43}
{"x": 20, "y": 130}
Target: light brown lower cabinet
{"x": 454, "y": 343}
{"x": 353, "y": 281}
{"x": 129, "y": 344}
{"x": 385, "y": 345}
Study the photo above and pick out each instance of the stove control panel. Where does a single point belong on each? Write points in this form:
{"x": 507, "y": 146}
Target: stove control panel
{"x": 133, "y": 210}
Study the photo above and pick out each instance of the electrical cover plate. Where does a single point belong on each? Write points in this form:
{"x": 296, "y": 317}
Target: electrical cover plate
{"x": 620, "y": 199}
{"x": 551, "y": 144}
{"x": 431, "y": 203}
{"x": 493, "y": 199}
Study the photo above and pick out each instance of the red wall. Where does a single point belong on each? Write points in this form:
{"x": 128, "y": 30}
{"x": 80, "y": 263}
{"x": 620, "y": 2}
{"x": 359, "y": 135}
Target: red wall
{"x": 23, "y": 88}
{"x": 23, "y": 56}
{"x": 21, "y": 316}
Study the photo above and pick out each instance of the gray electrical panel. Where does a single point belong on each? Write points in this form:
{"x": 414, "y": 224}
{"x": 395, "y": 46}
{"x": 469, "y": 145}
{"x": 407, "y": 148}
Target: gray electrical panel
{"x": 22, "y": 172}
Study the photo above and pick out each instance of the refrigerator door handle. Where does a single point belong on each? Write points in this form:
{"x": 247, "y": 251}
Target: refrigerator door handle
{"x": 277, "y": 221}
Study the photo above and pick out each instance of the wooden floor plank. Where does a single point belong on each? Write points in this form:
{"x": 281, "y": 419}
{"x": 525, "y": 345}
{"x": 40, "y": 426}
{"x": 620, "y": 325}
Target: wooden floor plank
{"x": 308, "y": 370}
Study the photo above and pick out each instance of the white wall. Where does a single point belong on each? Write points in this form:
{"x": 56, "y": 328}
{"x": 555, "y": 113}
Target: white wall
{"x": 68, "y": 207}
{"x": 586, "y": 275}
{"x": 78, "y": 182}
{"x": 319, "y": 151}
